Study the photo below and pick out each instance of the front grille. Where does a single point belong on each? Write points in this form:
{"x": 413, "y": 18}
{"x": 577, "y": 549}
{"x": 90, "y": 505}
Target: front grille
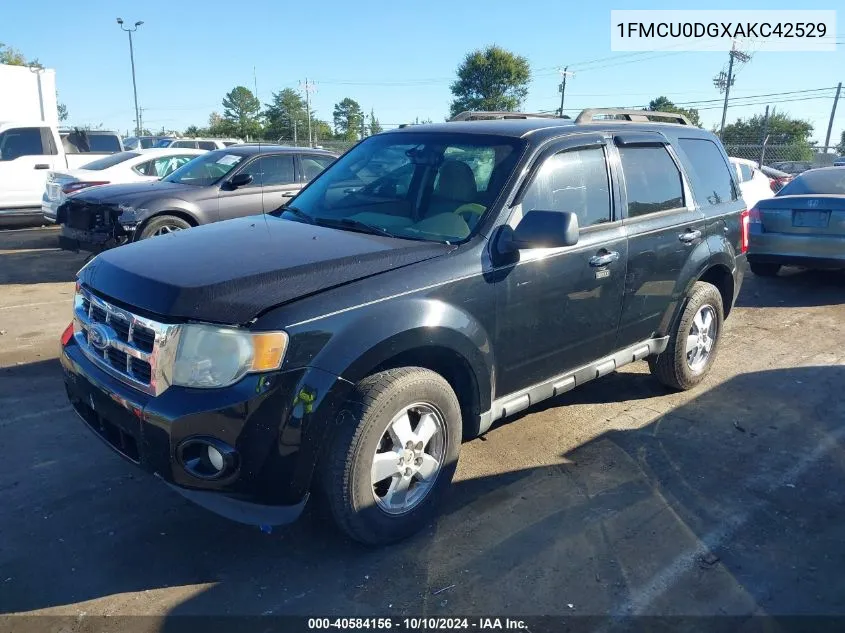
{"x": 130, "y": 347}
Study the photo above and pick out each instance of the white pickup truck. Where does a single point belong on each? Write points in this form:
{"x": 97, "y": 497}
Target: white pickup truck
{"x": 29, "y": 150}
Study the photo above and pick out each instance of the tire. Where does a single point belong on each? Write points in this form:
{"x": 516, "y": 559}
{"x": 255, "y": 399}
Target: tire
{"x": 674, "y": 367}
{"x": 162, "y": 223}
{"x": 357, "y": 505}
{"x": 764, "y": 270}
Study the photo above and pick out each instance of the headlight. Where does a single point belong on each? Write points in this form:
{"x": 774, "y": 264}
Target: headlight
{"x": 211, "y": 356}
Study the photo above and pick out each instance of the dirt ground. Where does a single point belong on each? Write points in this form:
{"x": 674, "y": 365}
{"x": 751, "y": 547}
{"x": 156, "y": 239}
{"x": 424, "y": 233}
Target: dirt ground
{"x": 618, "y": 498}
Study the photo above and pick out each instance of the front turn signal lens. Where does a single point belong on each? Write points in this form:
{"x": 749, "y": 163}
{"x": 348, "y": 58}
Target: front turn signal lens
{"x": 268, "y": 350}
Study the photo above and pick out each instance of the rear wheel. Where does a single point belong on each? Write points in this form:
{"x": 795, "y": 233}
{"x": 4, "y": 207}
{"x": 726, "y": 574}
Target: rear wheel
{"x": 692, "y": 346}
{"x": 162, "y": 225}
{"x": 393, "y": 455}
{"x": 764, "y": 270}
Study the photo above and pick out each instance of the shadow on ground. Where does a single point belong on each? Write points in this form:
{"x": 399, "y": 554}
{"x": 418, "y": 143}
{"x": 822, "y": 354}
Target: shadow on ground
{"x": 793, "y": 288}
{"x": 730, "y": 504}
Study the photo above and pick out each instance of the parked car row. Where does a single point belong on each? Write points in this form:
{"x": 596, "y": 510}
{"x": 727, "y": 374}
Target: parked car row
{"x": 219, "y": 185}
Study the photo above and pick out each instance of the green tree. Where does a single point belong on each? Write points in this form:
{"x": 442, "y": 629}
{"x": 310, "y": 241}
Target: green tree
{"x": 285, "y": 112}
{"x": 491, "y": 79}
{"x": 375, "y": 126}
{"x": 241, "y": 109}
{"x": 663, "y": 104}
{"x": 841, "y": 147}
{"x": 320, "y": 131}
{"x": 348, "y": 119}
{"x": 787, "y": 138}
{"x": 218, "y": 126}
{"x": 13, "y": 57}
{"x": 192, "y": 131}
{"x": 62, "y": 110}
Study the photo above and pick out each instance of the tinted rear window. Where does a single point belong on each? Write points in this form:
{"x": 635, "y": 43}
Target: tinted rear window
{"x": 708, "y": 171}
{"x": 817, "y": 182}
{"x": 103, "y": 143}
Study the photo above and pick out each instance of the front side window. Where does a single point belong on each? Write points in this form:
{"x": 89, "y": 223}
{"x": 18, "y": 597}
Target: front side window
{"x": 652, "y": 180}
{"x": 427, "y": 186}
{"x": 575, "y": 181}
{"x": 206, "y": 169}
{"x": 275, "y": 169}
{"x": 745, "y": 172}
{"x": 710, "y": 176}
{"x": 207, "y": 145}
{"x": 147, "y": 143}
{"x": 21, "y": 141}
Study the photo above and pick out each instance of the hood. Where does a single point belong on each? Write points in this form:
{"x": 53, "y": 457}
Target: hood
{"x": 229, "y": 272}
{"x": 134, "y": 191}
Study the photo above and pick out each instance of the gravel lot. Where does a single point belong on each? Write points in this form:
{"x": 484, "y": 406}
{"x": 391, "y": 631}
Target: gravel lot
{"x": 616, "y": 498}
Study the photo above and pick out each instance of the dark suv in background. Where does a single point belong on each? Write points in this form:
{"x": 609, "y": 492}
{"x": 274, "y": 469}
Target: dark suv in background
{"x": 433, "y": 280}
{"x": 227, "y": 183}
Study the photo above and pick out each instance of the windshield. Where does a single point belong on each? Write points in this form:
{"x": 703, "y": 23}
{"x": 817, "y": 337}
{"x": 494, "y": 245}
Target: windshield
{"x": 110, "y": 161}
{"x": 829, "y": 181}
{"x": 431, "y": 186}
{"x": 205, "y": 170}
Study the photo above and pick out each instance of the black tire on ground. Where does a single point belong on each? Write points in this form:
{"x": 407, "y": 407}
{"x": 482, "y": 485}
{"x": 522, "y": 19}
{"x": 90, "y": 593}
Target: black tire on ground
{"x": 345, "y": 480}
{"x": 671, "y": 367}
{"x": 163, "y": 221}
{"x": 764, "y": 270}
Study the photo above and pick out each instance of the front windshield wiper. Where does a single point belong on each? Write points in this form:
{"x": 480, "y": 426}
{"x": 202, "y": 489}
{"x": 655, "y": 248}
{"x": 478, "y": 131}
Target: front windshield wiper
{"x": 299, "y": 213}
{"x": 355, "y": 225}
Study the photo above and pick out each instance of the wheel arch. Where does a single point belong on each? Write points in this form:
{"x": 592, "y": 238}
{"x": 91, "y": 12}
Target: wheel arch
{"x": 179, "y": 213}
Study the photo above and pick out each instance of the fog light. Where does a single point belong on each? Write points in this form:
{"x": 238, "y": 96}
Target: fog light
{"x": 215, "y": 457}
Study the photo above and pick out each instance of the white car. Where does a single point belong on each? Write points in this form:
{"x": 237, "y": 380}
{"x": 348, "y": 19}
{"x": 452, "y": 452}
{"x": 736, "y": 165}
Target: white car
{"x": 199, "y": 143}
{"x": 753, "y": 183}
{"x": 123, "y": 167}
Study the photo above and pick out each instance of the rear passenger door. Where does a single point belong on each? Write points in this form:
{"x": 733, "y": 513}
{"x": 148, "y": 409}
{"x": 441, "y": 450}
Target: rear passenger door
{"x": 664, "y": 229}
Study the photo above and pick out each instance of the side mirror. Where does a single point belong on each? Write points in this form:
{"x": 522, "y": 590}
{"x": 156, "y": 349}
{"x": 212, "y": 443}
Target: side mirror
{"x": 545, "y": 229}
{"x": 240, "y": 180}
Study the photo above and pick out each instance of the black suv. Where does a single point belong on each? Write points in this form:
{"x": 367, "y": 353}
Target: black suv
{"x": 431, "y": 281}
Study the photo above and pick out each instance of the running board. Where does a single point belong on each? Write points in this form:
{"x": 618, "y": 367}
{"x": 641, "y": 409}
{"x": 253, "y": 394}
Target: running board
{"x": 515, "y": 402}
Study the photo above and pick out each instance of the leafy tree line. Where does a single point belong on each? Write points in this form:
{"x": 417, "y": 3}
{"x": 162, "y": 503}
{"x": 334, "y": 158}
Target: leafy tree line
{"x": 285, "y": 117}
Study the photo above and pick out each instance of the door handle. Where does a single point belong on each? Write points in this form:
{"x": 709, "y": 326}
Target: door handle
{"x": 288, "y": 194}
{"x": 604, "y": 259}
{"x": 42, "y": 166}
{"x": 689, "y": 236}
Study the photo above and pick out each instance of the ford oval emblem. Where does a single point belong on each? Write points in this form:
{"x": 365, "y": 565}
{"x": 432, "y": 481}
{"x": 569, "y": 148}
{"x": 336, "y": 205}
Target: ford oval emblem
{"x": 98, "y": 336}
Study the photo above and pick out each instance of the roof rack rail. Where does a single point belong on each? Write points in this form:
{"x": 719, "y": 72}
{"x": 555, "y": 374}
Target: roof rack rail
{"x": 469, "y": 115}
{"x": 589, "y": 115}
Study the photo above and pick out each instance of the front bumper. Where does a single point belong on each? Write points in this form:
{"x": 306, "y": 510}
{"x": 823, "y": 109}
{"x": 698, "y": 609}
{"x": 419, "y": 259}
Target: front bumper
{"x": 93, "y": 241}
{"x": 276, "y": 423}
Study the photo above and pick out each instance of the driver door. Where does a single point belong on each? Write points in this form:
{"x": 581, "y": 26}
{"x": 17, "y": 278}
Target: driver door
{"x": 558, "y": 308}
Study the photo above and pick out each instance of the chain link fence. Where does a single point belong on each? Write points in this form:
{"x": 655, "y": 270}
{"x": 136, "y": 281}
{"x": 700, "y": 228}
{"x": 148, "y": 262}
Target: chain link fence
{"x": 332, "y": 145}
{"x": 789, "y": 156}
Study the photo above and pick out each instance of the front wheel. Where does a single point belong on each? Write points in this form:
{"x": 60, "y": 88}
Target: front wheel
{"x": 393, "y": 455}
{"x": 693, "y": 344}
{"x": 162, "y": 225}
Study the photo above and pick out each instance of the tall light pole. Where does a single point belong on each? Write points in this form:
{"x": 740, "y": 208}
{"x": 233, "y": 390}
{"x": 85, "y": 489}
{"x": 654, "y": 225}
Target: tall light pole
{"x": 130, "y": 31}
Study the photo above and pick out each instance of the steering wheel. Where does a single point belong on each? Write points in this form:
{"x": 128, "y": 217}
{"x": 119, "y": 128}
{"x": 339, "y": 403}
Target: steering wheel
{"x": 470, "y": 213}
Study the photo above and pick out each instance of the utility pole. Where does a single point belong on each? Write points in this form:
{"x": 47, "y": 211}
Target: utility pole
{"x": 363, "y": 125}
{"x": 130, "y": 31}
{"x": 764, "y": 138}
{"x": 562, "y": 87}
{"x": 832, "y": 113}
{"x": 141, "y": 120}
{"x": 309, "y": 88}
{"x": 295, "y": 144}
{"x": 724, "y": 83}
